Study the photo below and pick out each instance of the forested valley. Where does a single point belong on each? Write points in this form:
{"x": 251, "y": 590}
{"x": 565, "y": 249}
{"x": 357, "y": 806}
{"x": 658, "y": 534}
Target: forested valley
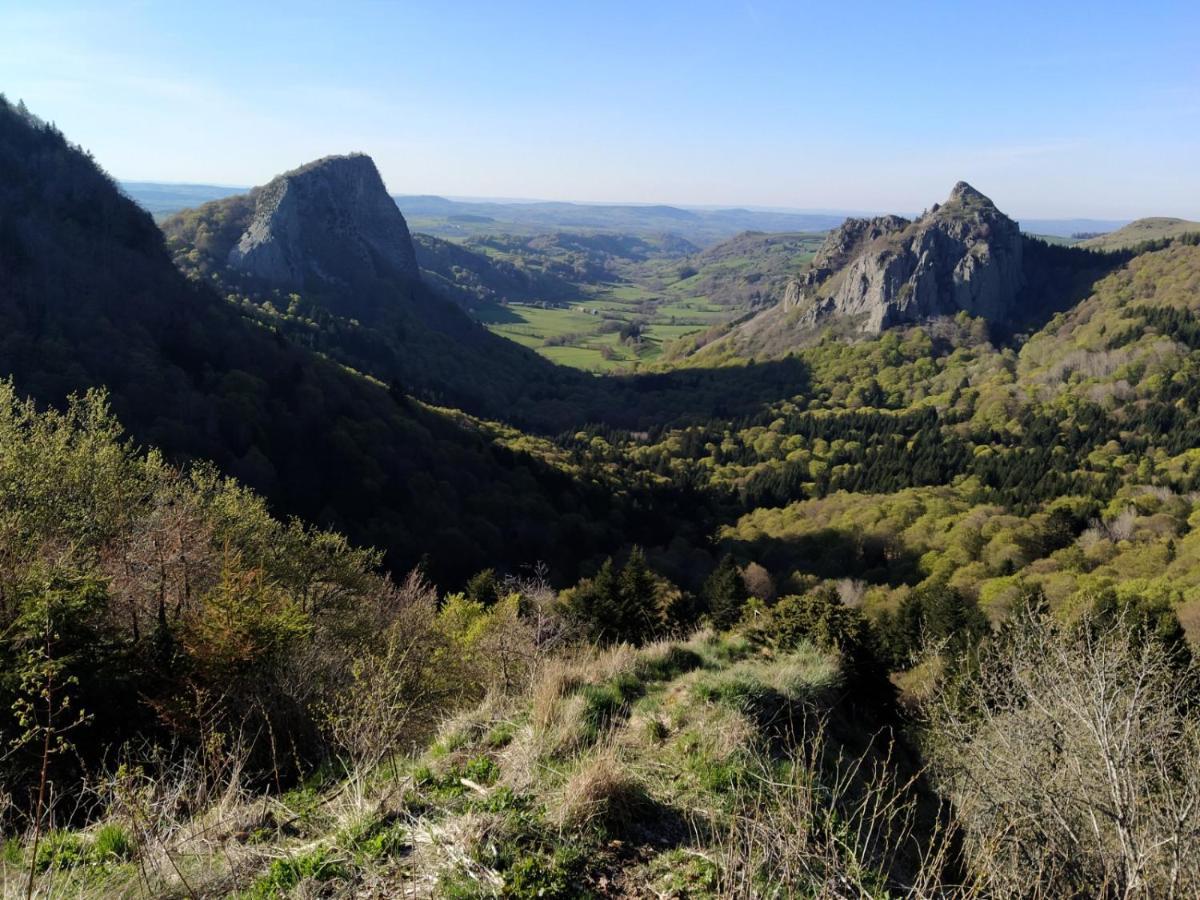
{"x": 331, "y": 571}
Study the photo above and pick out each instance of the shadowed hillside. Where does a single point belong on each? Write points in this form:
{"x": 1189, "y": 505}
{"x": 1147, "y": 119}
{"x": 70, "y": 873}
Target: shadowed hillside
{"x": 90, "y": 298}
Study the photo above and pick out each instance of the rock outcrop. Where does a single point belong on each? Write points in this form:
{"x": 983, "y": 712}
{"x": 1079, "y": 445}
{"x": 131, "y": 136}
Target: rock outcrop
{"x": 964, "y": 255}
{"x": 327, "y": 225}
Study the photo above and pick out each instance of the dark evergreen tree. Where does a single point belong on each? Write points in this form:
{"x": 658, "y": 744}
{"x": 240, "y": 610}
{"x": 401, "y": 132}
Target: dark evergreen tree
{"x": 594, "y": 603}
{"x": 724, "y": 594}
{"x": 483, "y": 587}
{"x": 637, "y": 600}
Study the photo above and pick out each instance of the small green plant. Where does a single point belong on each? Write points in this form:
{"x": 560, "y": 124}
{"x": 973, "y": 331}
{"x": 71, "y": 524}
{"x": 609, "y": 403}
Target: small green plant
{"x": 482, "y": 769}
{"x": 456, "y": 884}
{"x": 422, "y": 776}
{"x": 285, "y": 874}
{"x": 112, "y": 843}
{"x": 504, "y": 800}
{"x": 501, "y": 736}
{"x": 60, "y": 850}
{"x": 378, "y": 839}
{"x": 680, "y": 874}
{"x": 12, "y": 853}
{"x": 541, "y": 876}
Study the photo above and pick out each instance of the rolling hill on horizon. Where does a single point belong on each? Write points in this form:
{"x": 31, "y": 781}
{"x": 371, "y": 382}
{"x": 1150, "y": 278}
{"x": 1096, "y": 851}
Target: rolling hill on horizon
{"x": 1140, "y": 231}
{"x": 448, "y": 217}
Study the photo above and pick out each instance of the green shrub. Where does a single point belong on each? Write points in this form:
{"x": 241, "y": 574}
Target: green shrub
{"x": 60, "y": 850}
{"x": 541, "y": 876}
{"x": 482, "y": 769}
{"x": 820, "y": 618}
{"x": 285, "y": 874}
{"x": 112, "y": 843}
{"x": 378, "y": 839}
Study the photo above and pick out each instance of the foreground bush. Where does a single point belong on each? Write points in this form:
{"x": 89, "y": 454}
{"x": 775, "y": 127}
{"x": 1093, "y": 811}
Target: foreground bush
{"x": 1072, "y": 758}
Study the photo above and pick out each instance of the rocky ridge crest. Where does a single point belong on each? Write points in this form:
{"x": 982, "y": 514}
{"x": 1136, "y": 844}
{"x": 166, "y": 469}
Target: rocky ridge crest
{"x": 328, "y": 224}
{"x": 963, "y": 255}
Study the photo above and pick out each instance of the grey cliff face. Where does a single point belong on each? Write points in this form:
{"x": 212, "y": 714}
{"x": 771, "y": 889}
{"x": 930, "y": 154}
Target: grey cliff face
{"x": 329, "y": 224}
{"x": 964, "y": 255}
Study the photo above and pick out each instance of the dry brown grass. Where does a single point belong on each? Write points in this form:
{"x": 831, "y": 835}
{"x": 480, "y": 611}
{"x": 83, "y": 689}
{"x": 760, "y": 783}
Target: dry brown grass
{"x": 602, "y": 791}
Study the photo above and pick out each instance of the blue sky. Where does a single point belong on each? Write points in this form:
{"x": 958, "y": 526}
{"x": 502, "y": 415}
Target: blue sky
{"x": 1053, "y": 109}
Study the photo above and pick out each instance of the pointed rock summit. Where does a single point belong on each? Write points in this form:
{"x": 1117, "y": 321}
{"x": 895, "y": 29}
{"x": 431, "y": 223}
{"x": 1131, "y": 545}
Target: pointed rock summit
{"x": 964, "y": 192}
{"x": 327, "y": 225}
{"x": 962, "y": 255}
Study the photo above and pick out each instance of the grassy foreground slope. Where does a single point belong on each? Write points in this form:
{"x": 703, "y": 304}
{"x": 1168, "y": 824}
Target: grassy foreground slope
{"x": 702, "y": 768}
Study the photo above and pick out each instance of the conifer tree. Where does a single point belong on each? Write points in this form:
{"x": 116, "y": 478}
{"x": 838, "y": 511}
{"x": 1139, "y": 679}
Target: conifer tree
{"x": 724, "y": 594}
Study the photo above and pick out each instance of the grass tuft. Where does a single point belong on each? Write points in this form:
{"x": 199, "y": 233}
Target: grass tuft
{"x": 603, "y": 794}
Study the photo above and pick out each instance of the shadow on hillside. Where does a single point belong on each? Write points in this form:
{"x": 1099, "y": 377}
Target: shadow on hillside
{"x": 1058, "y": 277}
{"x": 680, "y": 397}
{"x": 833, "y": 553}
{"x": 496, "y": 314}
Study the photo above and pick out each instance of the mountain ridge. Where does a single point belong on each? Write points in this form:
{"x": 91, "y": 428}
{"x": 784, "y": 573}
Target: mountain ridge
{"x": 91, "y": 298}
{"x": 963, "y": 255}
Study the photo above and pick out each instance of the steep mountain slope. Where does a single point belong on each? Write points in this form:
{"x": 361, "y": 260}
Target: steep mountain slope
{"x": 356, "y": 293}
{"x": 1140, "y": 231}
{"x": 89, "y": 297}
{"x": 420, "y": 343}
{"x": 328, "y": 228}
{"x": 961, "y": 257}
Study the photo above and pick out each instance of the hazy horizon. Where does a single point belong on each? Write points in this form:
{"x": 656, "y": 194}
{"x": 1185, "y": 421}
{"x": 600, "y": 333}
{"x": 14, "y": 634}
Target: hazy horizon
{"x": 1051, "y": 113}
{"x": 828, "y": 211}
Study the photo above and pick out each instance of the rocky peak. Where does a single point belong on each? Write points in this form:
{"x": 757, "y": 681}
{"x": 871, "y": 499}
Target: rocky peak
{"x": 848, "y": 239}
{"x": 964, "y": 193}
{"x": 963, "y": 255}
{"x": 327, "y": 225}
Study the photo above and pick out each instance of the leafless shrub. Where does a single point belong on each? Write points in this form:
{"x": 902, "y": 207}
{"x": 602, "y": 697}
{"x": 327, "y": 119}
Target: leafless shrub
{"x": 1119, "y": 529}
{"x": 400, "y": 685}
{"x": 851, "y": 591}
{"x": 758, "y": 582}
{"x": 541, "y": 608}
{"x": 833, "y": 827}
{"x": 1073, "y": 761}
